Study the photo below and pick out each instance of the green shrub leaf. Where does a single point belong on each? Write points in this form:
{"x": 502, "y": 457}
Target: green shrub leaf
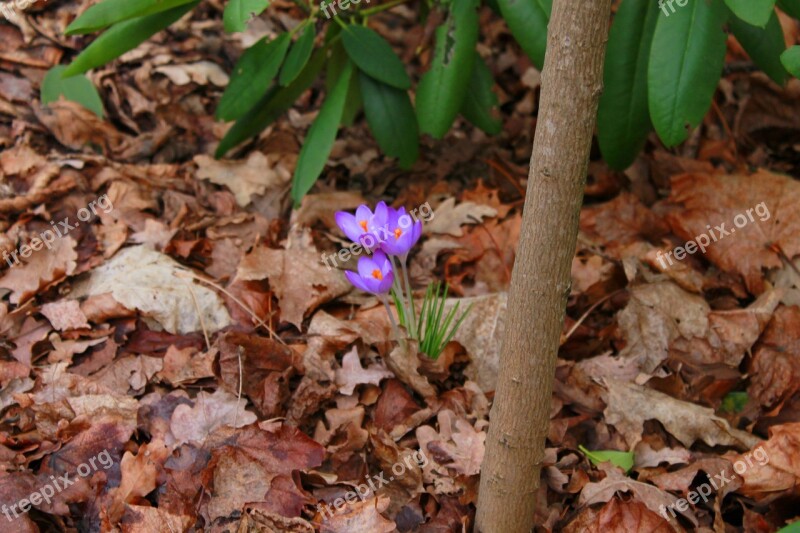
{"x": 624, "y": 460}
{"x": 441, "y": 94}
{"x": 753, "y": 12}
{"x": 298, "y": 55}
{"x": 791, "y": 60}
{"x": 76, "y": 89}
{"x": 481, "y": 101}
{"x": 271, "y": 106}
{"x": 763, "y": 45}
{"x": 109, "y": 12}
{"x": 124, "y": 36}
{"x": 251, "y": 77}
{"x": 319, "y": 141}
{"x": 391, "y": 119}
{"x": 239, "y": 12}
{"x": 372, "y": 54}
{"x": 790, "y": 7}
{"x": 623, "y": 119}
{"x": 527, "y": 20}
{"x": 794, "y": 527}
{"x": 686, "y": 61}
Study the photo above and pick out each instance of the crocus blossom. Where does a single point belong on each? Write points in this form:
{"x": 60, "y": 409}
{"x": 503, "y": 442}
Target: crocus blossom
{"x": 363, "y": 227}
{"x": 402, "y": 233}
{"x": 374, "y": 275}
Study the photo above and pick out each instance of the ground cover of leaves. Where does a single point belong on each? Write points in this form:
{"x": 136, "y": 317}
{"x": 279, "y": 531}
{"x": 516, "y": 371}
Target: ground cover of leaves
{"x": 192, "y": 332}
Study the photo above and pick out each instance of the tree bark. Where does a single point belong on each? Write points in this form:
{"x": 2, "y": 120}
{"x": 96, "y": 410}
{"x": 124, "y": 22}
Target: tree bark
{"x": 572, "y": 81}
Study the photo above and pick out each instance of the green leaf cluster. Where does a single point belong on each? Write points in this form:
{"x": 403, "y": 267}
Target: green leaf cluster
{"x": 433, "y": 328}
{"x": 663, "y": 64}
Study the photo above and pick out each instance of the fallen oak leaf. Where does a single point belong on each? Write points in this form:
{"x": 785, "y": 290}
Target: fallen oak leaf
{"x": 708, "y": 199}
{"x": 42, "y": 270}
{"x": 654, "y": 498}
{"x": 353, "y": 374}
{"x": 160, "y": 288}
{"x": 299, "y": 280}
{"x": 209, "y": 413}
{"x": 403, "y": 360}
{"x": 630, "y": 405}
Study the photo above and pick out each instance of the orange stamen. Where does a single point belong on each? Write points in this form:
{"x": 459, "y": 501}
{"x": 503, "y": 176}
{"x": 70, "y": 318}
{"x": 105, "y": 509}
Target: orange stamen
{"x": 363, "y": 225}
{"x": 397, "y": 233}
{"x": 377, "y": 274}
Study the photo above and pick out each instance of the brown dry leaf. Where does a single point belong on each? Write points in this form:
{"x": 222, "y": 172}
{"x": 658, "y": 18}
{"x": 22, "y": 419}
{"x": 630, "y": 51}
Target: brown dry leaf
{"x": 776, "y": 365}
{"x": 480, "y": 334}
{"x": 201, "y": 73}
{"x": 718, "y": 470}
{"x": 75, "y": 126}
{"x": 362, "y": 516}
{"x": 42, "y": 269}
{"x": 65, "y": 314}
{"x": 715, "y": 199}
{"x": 245, "y": 466}
{"x": 345, "y": 431}
{"x": 621, "y": 222}
{"x": 296, "y": 275}
{"x": 155, "y": 233}
{"x": 448, "y": 218}
{"x": 352, "y": 374}
{"x": 139, "y": 477}
{"x": 457, "y": 447}
{"x": 132, "y": 372}
{"x": 146, "y": 519}
{"x": 404, "y": 362}
{"x": 619, "y": 516}
{"x": 255, "y": 175}
{"x": 614, "y": 482}
{"x": 394, "y": 406}
{"x": 661, "y": 319}
{"x": 630, "y": 405}
{"x": 774, "y": 465}
{"x": 160, "y": 288}
{"x": 656, "y": 315}
{"x": 209, "y": 413}
{"x": 257, "y": 521}
{"x": 186, "y": 365}
{"x": 262, "y": 367}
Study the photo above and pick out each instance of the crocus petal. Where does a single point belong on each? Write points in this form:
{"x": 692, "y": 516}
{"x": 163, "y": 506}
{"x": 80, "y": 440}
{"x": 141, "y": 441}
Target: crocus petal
{"x": 363, "y": 213}
{"x": 381, "y": 214}
{"x": 366, "y": 266}
{"x": 386, "y": 283}
{"x": 356, "y": 280}
{"x": 347, "y": 223}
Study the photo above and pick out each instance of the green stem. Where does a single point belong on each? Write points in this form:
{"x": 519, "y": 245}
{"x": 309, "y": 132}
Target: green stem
{"x": 398, "y": 288}
{"x": 382, "y": 7}
{"x": 391, "y": 316}
{"x": 403, "y": 261}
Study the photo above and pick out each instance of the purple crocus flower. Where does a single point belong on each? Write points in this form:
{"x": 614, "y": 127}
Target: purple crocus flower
{"x": 374, "y": 274}
{"x": 362, "y": 226}
{"x": 403, "y": 232}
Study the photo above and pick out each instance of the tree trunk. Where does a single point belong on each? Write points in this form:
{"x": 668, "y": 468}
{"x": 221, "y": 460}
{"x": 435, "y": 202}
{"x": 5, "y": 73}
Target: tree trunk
{"x": 572, "y": 80}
